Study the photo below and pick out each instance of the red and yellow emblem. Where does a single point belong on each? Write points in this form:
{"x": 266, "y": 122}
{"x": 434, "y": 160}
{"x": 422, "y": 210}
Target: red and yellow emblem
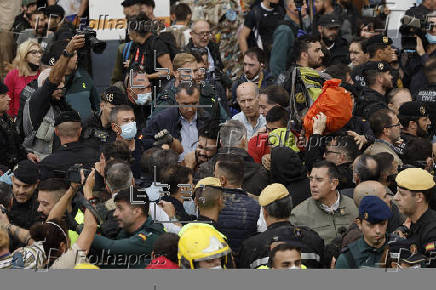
{"x": 430, "y": 247}
{"x": 143, "y": 237}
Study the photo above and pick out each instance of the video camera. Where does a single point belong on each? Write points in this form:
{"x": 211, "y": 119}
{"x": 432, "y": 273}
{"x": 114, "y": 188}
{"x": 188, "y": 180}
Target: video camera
{"x": 73, "y": 174}
{"x": 91, "y": 41}
{"x": 410, "y": 28}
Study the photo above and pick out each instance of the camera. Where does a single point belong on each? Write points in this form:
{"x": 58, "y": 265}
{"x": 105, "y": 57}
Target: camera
{"x": 73, "y": 173}
{"x": 410, "y": 28}
{"x": 91, "y": 40}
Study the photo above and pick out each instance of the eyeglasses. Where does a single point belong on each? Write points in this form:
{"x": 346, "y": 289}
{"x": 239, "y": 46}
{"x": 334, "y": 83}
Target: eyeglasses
{"x": 394, "y": 125}
{"x": 35, "y": 52}
{"x": 203, "y": 33}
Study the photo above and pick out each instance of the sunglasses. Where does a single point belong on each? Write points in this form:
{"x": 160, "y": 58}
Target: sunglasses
{"x": 35, "y": 52}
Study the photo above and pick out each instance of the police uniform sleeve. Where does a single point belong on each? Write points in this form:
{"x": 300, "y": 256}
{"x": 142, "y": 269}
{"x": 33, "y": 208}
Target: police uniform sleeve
{"x": 250, "y": 20}
{"x": 141, "y": 243}
{"x": 429, "y": 242}
{"x": 341, "y": 262}
{"x": 283, "y": 40}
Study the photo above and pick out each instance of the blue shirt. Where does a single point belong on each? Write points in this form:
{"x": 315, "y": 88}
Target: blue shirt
{"x": 261, "y": 122}
{"x": 189, "y": 134}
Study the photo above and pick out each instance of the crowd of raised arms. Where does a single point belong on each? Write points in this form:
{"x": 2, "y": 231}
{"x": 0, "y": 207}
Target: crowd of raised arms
{"x": 274, "y": 134}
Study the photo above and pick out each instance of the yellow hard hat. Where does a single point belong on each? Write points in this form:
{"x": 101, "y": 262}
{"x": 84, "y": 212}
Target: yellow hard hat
{"x": 201, "y": 242}
{"x": 86, "y": 266}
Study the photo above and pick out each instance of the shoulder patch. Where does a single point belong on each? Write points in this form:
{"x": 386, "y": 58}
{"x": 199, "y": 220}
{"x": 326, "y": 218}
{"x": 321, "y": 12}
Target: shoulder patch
{"x": 143, "y": 237}
{"x": 430, "y": 246}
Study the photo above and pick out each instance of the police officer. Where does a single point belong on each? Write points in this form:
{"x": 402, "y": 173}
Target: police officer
{"x": 378, "y": 81}
{"x": 11, "y": 150}
{"x": 97, "y": 128}
{"x": 276, "y": 204}
{"x": 379, "y": 49}
{"x": 427, "y": 94}
{"x": 68, "y": 128}
{"x": 415, "y": 121}
{"x": 134, "y": 243}
{"x": 414, "y": 192}
{"x": 368, "y": 249}
{"x": 24, "y": 211}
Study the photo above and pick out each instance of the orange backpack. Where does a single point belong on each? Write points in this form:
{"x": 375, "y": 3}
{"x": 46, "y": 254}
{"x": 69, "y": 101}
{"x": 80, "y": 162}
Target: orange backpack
{"x": 335, "y": 102}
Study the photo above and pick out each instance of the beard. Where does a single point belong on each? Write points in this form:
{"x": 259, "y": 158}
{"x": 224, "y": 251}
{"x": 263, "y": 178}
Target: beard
{"x": 421, "y": 132}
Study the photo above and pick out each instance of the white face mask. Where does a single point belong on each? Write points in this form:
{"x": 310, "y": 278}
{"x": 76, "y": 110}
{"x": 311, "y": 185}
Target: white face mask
{"x": 216, "y": 268}
{"x": 294, "y": 267}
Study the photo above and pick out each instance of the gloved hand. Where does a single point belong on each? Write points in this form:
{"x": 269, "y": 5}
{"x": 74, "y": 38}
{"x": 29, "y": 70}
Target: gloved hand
{"x": 6, "y": 177}
{"x": 163, "y": 137}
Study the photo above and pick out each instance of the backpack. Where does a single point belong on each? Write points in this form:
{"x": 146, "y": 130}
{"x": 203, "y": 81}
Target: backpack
{"x": 304, "y": 86}
{"x": 335, "y": 102}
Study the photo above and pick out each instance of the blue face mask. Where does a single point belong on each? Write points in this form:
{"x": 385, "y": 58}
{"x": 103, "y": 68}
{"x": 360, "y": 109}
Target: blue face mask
{"x": 128, "y": 131}
{"x": 431, "y": 38}
{"x": 143, "y": 99}
{"x": 190, "y": 207}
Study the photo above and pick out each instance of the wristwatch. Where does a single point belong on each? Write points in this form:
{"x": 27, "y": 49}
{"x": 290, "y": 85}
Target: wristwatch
{"x": 66, "y": 54}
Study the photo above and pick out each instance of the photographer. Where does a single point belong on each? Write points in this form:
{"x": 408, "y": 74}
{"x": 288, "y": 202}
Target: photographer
{"x": 141, "y": 49}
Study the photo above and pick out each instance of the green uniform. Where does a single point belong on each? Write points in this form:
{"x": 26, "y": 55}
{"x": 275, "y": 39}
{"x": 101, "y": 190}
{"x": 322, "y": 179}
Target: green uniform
{"x": 361, "y": 254}
{"x": 129, "y": 250}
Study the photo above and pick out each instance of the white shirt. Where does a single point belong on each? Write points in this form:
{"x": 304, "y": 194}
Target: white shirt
{"x": 334, "y": 206}
{"x": 261, "y": 122}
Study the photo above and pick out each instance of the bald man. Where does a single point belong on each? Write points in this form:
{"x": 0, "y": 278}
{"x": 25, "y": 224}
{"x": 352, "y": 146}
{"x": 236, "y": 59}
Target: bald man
{"x": 372, "y": 187}
{"x": 200, "y": 38}
{"x": 248, "y": 100}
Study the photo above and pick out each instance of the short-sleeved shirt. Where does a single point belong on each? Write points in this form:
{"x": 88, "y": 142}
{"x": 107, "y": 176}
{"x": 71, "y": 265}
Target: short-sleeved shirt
{"x": 269, "y": 21}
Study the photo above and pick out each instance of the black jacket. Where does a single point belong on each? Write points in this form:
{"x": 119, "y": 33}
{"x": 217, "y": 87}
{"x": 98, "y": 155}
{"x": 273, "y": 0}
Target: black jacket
{"x": 255, "y": 250}
{"x": 238, "y": 219}
{"x": 66, "y": 156}
{"x": 94, "y": 134}
{"x": 423, "y": 234}
{"x": 369, "y": 102}
{"x": 11, "y": 150}
{"x": 288, "y": 169}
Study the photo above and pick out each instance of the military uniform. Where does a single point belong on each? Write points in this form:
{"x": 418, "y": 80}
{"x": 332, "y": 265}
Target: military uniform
{"x": 359, "y": 254}
{"x": 423, "y": 231}
{"x": 137, "y": 245}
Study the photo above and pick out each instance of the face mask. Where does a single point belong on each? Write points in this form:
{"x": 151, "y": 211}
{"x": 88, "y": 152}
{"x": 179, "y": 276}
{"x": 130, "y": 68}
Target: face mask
{"x": 128, "y": 131}
{"x": 293, "y": 267}
{"x": 33, "y": 67}
{"x": 190, "y": 207}
{"x": 216, "y": 268}
{"x": 431, "y": 38}
{"x": 143, "y": 98}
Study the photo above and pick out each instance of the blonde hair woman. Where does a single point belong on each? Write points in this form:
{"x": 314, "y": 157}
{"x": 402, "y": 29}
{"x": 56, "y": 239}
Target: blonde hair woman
{"x": 26, "y": 68}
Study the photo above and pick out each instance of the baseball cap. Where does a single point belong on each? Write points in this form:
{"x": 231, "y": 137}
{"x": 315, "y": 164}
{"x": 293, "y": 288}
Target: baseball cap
{"x": 413, "y": 109}
{"x": 380, "y": 66}
{"x": 115, "y": 96}
{"x": 329, "y": 20}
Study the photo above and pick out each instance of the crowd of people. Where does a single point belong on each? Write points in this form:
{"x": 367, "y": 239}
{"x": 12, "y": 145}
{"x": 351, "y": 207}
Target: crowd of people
{"x": 320, "y": 154}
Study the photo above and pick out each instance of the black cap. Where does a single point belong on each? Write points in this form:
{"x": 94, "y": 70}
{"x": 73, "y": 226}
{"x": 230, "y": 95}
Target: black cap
{"x": 378, "y": 39}
{"x": 54, "y": 10}
{"x": 329, "y": 20}
{"x": 3, "y": 88}
{"x": 115, "y": 96}
{"x": 67, "y": 116}
{"x": 413, "y": 109}
{"x": 27, "y": 171}
{"x": 127, "y": 3}
{"x": 380, "y": 66}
